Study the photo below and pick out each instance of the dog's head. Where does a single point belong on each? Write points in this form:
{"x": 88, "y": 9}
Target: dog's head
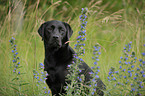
{"x": 55, "y": 33}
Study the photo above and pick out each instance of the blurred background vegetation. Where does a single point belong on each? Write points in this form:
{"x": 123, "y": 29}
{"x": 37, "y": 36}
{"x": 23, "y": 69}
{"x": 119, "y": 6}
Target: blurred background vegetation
{"x": 111, "y": 23}
{"x": 65, "y": 7}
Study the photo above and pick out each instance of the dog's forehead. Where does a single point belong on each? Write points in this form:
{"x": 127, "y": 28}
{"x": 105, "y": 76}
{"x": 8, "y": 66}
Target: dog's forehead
{"x": 55, "y": 23}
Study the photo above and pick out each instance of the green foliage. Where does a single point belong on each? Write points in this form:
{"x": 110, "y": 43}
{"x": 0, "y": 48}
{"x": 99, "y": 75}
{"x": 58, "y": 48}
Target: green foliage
{"x": 76, "y": 86}
{"x": 129, "y": 76}
{"x": 110, "y": 24}
{"x": 40, "y": 78}
{"x": 17, "y": 82}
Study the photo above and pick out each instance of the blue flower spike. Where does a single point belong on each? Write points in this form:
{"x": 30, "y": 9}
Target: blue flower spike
{"x": 130, "y": 72}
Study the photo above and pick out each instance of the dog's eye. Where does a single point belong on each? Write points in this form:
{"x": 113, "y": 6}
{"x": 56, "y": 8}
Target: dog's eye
{"x": 62, "y": 30}
{"x": 49, "y": 29}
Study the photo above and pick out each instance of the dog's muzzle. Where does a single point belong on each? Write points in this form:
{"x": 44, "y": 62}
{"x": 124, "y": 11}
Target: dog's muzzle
{"x": 56, "y": 42}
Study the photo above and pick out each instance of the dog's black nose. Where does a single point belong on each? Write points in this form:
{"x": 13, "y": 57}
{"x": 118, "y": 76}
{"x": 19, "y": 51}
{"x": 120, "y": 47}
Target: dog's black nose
{"x": 55, "y": 36}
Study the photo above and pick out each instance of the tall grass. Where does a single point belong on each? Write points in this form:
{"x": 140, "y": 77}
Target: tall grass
{"x": 111, "y": 30}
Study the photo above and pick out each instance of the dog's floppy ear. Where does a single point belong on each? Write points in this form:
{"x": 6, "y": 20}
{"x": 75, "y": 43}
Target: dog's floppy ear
{"x": 69, "y": 30}
{"x": 41, "y": 31}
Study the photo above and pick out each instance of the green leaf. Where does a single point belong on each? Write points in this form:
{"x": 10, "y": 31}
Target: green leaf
{"x": 14, "y": 88}
{"x": 15, "y": 79}
{"x": 24, "y": 84}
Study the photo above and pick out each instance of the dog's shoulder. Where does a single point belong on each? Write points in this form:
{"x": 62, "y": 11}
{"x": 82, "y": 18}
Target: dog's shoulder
{"x": 71, "y": 50}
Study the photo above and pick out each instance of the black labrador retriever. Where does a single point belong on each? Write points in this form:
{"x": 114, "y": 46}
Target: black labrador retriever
{"x": 58, "y": 55}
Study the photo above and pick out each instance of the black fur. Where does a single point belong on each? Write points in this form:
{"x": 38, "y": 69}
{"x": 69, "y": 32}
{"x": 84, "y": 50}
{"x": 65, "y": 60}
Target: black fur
{"x": 58, "y": 55}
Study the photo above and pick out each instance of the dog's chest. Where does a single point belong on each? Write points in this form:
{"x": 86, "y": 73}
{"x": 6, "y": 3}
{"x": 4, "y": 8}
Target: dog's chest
{"x": 58, "y": 75}
{"x": 55, "y": 70}
{"x": 56, "y": 66}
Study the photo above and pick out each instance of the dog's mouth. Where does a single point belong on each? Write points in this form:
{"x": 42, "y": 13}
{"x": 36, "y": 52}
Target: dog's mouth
{"x": 53, "y": 45}
{"x": 56, "y": 44}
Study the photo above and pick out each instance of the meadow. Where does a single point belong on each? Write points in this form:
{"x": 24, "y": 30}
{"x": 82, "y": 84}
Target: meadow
{"x": 113, "y": 25}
